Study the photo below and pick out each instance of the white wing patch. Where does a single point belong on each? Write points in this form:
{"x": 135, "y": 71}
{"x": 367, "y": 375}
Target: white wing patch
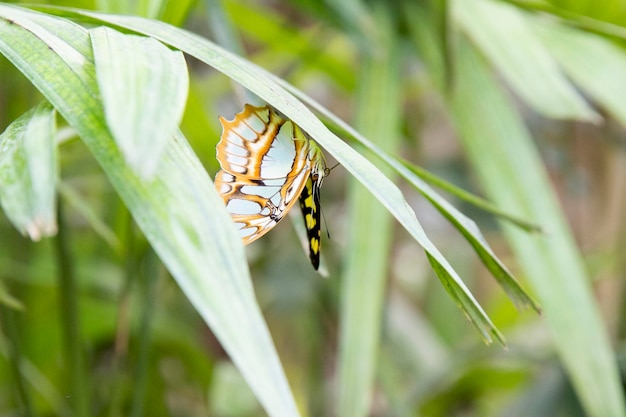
{"x": 265, "y": 162}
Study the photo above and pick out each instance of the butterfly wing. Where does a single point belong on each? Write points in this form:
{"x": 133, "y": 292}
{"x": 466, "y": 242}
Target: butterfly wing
{"x": 310, "y": 206}
{"x": 256, "y": 206}
{"x": 265, "y": 164}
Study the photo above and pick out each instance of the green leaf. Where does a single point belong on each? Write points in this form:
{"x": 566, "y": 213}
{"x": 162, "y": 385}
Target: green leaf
{"x": 144, "y": 87}
{"x": 28, "y": 172}
{"x": 503, "y": 34}
{"x": 268, "y": 88}
{"x": 179, "y": 211}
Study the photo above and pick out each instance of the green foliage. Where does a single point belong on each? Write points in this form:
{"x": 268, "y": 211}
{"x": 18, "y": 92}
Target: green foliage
{"x": 109, "y": 316}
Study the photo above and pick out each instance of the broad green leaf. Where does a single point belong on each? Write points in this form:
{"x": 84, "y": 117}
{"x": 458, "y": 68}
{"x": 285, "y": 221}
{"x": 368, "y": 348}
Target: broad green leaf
{"x": 144, "y": 86}
{"x": 267, "y": 87}
{"x": 510, "y": 168}
{"x": 599, "y": 71}
{"x": 28, "y": 172}
{"x": 364, "y": 279}
{"x": 502, "y": 33}
{"x": 179, "y": 211}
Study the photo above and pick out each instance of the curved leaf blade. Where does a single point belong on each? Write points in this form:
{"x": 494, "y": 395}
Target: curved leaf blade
{"x": 28, "y": 172}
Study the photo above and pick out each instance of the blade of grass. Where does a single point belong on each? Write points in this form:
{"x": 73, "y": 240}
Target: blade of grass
{"x": 179, "y": 211}
{"x": 28, "y": 172}
{"x": 265, "y": 86}
{"x": 369, "y": 228}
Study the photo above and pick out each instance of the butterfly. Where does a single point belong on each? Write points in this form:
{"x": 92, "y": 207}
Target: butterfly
{"x": 268, "y": 163}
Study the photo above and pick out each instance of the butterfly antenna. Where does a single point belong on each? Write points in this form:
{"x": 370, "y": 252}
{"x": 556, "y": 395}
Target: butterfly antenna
{"x": 327, "y": 170}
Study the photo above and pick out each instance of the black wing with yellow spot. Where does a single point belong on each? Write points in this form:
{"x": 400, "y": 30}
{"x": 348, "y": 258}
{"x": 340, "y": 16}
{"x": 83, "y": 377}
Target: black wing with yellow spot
{"x": 310, "y": 205}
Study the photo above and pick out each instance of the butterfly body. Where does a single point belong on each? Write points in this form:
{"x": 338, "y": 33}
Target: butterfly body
{"x": 268, "y": 163}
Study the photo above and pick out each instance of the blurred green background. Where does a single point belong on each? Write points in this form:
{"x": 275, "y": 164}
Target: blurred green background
{"x": 397, "y": 71}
